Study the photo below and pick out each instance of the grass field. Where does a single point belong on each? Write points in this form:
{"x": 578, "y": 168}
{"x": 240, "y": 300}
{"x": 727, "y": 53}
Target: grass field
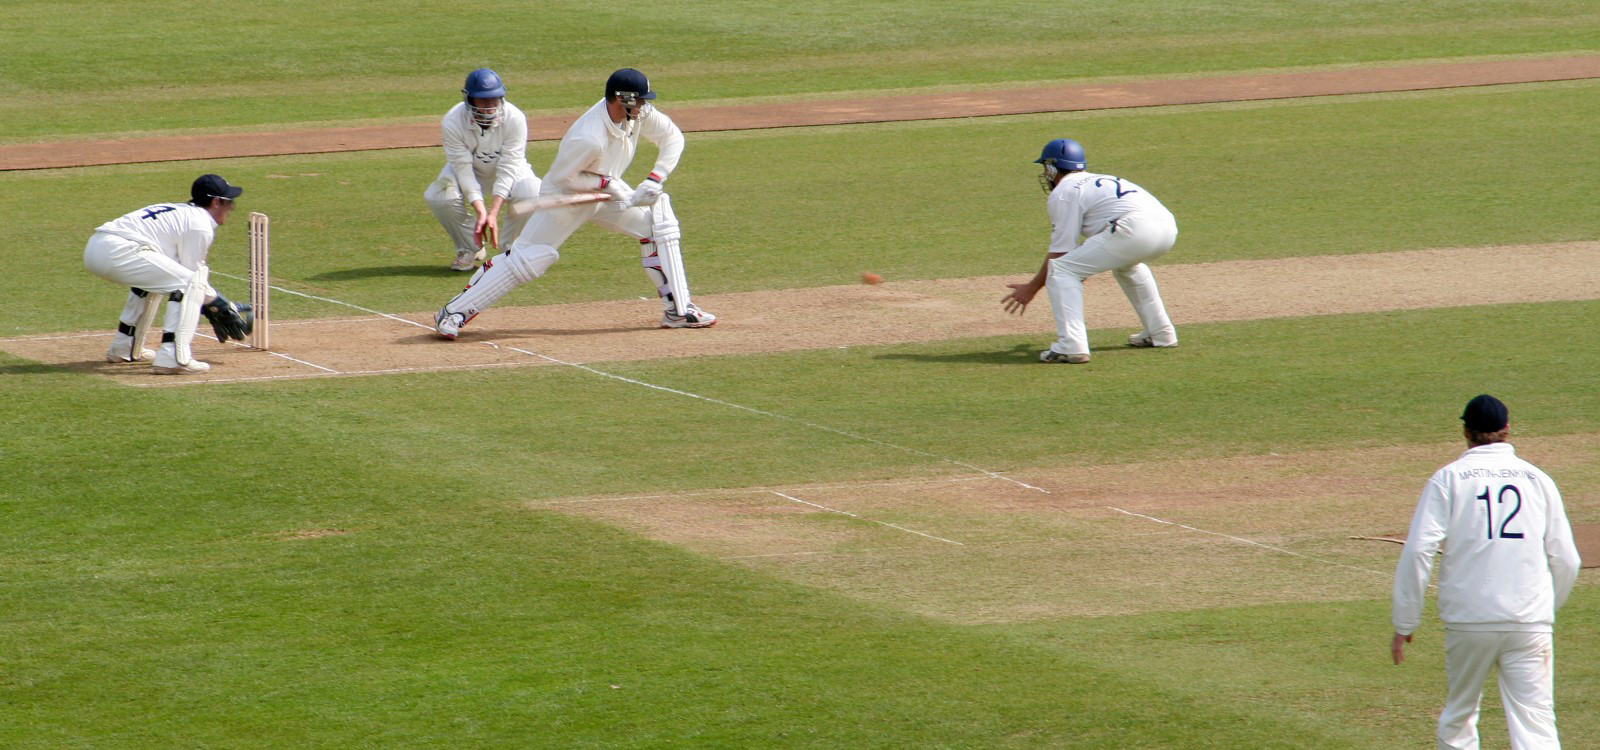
{"x": 561, "y": 557}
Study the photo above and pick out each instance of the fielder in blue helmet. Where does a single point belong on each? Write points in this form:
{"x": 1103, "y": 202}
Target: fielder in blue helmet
{"x": 483, "y": 94}
{"x": 1099, "y": 222}
{"x": 1059, "y": 157}
{"x": 485, "y": 139}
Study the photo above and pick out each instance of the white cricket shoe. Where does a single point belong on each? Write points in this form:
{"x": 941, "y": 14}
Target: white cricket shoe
{"x": 122, "y": 347}
{"x": 449, "y": 324}
{"x": 694, "y": 317}
{"x": 466, "y": 260}
{"x": 166, "y": 363}
{"x": 1052, "y": 356}
{"x": 1144, "y": 341}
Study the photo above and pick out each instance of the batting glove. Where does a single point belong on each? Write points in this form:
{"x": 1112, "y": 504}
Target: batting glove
{"x": 617, "y": 189}
{"x": 648, "y": 191}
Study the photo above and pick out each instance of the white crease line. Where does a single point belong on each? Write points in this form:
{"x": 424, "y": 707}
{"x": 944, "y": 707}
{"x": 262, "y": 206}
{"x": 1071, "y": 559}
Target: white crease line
{"x": 884, "y": 550}
{"x": 759, "y": 490}
{"x": 1252, "y": 543}
{"x": 275, "y": 354}
{"x": 334, "y": 301}
{"x": 813, "y": 425}
{"x": 869, "y": 520}
{"x": 312, "y": 375}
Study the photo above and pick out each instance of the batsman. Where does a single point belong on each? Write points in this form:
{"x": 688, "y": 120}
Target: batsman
{"x": 593, "y": 155}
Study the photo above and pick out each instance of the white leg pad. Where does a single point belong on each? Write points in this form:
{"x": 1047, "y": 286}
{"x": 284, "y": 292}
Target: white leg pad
{"x": 665, "y": 236}
{"x": 150, "y": 303}
{"x": 186, "y": 314}
{"x": 500, "y": 275}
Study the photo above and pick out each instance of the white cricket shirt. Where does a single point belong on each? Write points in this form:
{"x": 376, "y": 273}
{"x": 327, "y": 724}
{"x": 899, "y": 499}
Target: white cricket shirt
{"x": 596, "y": 144}
{"x": 181, "y": 231}
{"x": 495, "y": 156}
{"x": 1509, "y": 561}
{"x": 1085, "y": 203}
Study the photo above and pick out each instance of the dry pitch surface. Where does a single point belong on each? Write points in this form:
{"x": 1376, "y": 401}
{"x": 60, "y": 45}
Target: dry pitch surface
{"x": 890, "y": 313}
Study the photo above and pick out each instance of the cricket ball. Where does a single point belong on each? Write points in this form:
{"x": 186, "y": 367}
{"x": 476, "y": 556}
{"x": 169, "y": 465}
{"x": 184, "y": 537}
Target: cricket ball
{"x": 871, "y": 278}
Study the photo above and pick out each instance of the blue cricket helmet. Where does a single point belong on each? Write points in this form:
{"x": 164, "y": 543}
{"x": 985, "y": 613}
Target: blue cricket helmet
{"x": 1064, "y": 154}
{"x": 484, "y": 83}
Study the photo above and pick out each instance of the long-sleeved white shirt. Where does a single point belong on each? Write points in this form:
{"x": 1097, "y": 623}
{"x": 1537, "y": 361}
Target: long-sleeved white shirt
{"x": 1083, "y": 204}
{"x": 497, "y": 155}
{"x": 181, "y": 231}
{"x": 596, "y": 145}
{"x": 1509, "y": 560}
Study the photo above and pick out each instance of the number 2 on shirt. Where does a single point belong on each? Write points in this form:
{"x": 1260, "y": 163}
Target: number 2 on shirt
{"x": 1500, "y": 498}
{"x": 1120, "y": 192}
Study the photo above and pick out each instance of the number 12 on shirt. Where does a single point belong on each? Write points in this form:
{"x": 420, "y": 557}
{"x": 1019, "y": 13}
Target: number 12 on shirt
{"x": 1500, "y": 499}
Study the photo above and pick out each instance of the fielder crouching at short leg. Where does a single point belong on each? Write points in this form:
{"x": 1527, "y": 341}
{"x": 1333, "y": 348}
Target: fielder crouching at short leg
{"x": 1122, "y": 227}
{"x": 159, "y": 251}
{"x": 485, "y": 147}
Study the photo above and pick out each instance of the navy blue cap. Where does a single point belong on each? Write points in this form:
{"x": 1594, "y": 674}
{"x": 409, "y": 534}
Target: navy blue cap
{"x": 209, "y": 186}
{"x": 630, "y": 81}
{"x": 1485, "y": 413}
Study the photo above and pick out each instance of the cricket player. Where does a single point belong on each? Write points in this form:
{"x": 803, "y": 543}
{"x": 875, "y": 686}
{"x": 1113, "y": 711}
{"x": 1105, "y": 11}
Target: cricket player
{"x": 1122, "y": 227}
{"x": 593, "y": 154}
{"x": 485, "y": 147}
{"x": 160, "y": 251}
{"x": 1509, "y": 563}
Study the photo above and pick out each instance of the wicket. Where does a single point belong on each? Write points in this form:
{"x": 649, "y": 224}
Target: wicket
{"x": 259, "y": 280}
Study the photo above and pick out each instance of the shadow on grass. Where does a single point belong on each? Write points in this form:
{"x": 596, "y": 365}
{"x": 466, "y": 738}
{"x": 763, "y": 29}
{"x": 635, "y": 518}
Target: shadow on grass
{"x": 375, "y": 272}
{"x": 32, "y": 368}
{"x": 1021, "y": 354}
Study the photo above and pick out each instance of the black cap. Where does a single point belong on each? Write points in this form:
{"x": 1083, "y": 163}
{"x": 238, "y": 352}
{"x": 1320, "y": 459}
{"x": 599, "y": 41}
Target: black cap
{"x": 1486, "y": 413}
{"x": 629, "y": 80}
{"x": 208, "y": 186}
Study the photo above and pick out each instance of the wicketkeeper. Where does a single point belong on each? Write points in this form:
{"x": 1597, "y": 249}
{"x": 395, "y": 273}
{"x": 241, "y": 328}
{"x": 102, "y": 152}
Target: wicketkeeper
{"x": 593, "y": 154}
{"x": 160, "y": 252}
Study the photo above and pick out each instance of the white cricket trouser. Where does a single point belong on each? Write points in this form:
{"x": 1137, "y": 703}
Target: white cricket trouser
{"x": 543, "y": 234}
{"x": 1121, "y": 249}
{"x": 455, "y": 214}
{"x": 126, "y": 262}
{"x": 1527, "y": 664}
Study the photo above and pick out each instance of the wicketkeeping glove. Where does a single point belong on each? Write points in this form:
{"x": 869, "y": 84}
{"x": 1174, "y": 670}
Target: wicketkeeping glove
{"x": 229, "y": 320}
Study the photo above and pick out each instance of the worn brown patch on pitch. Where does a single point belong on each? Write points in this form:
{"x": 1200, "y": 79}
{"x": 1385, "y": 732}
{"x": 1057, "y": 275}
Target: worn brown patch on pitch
{"x": 889, "y": 313}
{"x": 1091, "y": 540}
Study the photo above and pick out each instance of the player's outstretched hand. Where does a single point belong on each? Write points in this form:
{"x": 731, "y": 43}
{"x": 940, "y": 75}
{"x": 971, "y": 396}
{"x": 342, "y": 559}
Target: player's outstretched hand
{"x": 1017, "y": 300}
